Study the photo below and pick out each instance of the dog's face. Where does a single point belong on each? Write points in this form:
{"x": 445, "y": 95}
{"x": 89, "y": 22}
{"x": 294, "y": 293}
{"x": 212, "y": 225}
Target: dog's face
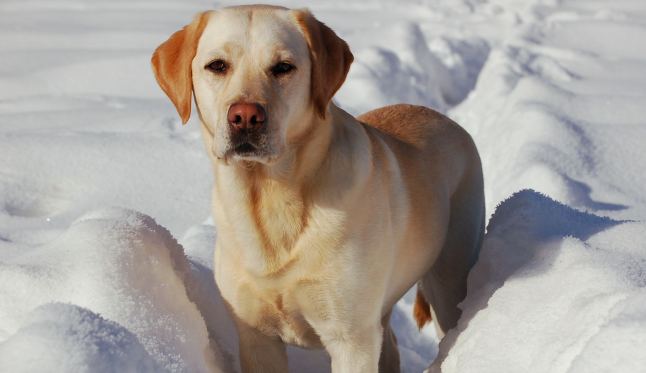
{"x": 259, "y": 75}
{"x": 251, "y": 81}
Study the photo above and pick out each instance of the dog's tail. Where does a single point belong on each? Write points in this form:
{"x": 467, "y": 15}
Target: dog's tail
{"x": 421, "y": 310}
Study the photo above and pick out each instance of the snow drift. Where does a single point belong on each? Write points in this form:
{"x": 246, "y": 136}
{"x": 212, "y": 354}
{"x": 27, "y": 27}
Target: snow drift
{"x": 555, "y": 290}
{"x": 66, "y": 338}
{"x": 123, "y": 266}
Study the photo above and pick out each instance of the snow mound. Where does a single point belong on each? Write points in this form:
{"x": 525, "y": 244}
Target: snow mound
{"x": 411, "y": 74}
{"x": 66, "y": 338}
{"x": 123, "y": 265}
{"x": 555, "y": 290}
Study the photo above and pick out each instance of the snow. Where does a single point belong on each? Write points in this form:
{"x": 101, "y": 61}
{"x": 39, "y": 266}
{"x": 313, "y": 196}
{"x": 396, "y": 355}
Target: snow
{"x": 570, "y": 281}
{"x": 65, "y": 338}
{"x": 105, "y": 239}
{"x": 125, "y": 267}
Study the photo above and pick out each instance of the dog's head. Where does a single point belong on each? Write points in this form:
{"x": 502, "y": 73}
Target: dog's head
{"x": 259, "y": 74}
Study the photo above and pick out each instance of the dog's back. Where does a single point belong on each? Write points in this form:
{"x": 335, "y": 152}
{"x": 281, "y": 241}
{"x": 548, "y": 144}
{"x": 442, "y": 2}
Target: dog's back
{"x": 411, "y": 130}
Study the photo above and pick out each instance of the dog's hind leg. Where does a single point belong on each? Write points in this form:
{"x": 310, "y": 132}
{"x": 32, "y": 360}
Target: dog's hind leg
{"x": 444, "y": 286}
{"x": 389, "y": 357}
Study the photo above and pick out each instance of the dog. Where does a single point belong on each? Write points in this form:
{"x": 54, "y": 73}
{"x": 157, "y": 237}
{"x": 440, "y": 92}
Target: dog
{"x": 324, "y": 220}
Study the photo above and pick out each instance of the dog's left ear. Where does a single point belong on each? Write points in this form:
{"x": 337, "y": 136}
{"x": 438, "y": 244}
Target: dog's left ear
{"x": 171, "y": 64}
{"x": 331, "y": 59}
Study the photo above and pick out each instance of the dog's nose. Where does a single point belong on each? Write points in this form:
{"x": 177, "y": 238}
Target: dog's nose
{"x": 244, "y": 116}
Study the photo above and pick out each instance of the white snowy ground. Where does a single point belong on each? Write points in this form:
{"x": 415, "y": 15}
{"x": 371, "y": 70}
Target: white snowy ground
{"x": 94, "y": 164}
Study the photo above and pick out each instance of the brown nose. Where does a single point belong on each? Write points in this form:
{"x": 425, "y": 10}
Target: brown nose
{"x": 243, "y": 116}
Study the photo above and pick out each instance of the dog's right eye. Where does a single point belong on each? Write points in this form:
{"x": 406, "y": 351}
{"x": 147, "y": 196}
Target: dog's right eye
{"x": 218, "y": 66}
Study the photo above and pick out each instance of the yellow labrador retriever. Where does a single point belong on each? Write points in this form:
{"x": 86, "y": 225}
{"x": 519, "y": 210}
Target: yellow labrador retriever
{"x": 324, "y": 220}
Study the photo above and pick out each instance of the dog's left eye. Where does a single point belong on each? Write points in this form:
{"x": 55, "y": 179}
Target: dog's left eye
{"x": 282, "y": 68}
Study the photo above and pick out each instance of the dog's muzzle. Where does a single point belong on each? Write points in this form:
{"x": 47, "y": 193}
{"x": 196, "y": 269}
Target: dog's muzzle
{"x": 247, "y": 128}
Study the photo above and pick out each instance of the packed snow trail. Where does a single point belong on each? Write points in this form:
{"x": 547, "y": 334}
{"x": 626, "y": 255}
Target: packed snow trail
{"x": 552, "y": 92}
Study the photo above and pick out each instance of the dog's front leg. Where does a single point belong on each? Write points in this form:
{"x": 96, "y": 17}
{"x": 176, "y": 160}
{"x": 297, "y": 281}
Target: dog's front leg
{"x": 260, "y": 353}
{"x": 355, "y": 351}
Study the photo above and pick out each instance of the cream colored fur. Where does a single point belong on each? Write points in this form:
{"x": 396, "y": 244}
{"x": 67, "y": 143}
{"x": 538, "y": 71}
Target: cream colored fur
{"x": 319, "y": 237}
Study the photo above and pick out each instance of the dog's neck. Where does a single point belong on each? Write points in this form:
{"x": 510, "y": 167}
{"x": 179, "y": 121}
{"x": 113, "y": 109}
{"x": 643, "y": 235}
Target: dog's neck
{"x": 268, "y": 206}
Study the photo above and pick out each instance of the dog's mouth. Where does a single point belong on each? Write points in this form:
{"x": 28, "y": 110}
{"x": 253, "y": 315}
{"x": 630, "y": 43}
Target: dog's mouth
{"x": 252, "y": 147}
{"x": 245, "y": 148}
{"x": 246, "y": 151}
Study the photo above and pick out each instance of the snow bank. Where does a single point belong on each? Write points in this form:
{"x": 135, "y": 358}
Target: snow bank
{"x": 65, "y": 338}
{"x": 559, "y": 286}
{"x": 555, "y": 290}
{"x": 409, "y": 74}
{"x": 124, "y": 266}
{"x": 408, "y": 67}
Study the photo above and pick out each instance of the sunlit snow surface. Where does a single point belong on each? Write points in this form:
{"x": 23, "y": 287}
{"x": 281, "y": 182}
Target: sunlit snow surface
{"x": 99, "y": 182}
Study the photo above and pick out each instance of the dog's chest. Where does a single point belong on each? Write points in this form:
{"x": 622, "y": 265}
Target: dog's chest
{"x": 276, "y": 313}
{"x": 278, "y": 217}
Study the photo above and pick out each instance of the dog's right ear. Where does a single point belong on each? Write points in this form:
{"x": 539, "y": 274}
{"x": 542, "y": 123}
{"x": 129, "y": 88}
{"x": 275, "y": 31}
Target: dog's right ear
{"x": 171, "y": 64}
